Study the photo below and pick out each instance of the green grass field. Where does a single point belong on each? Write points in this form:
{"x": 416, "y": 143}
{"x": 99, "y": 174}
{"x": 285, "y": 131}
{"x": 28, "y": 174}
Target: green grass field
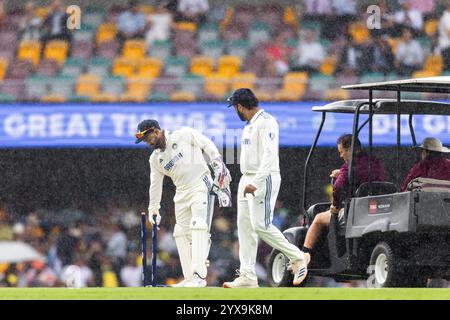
{"x": 222, "y": 294}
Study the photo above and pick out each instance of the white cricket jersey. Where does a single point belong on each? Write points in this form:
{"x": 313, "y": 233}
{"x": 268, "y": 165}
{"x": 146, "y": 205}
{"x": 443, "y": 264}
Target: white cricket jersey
{"x": 259, "y": 148}
{"x": 182, "y": 161}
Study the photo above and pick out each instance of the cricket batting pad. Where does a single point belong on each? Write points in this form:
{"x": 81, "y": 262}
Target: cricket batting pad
{"x": 184, "y": 246}
{"x": 200, "y": 246}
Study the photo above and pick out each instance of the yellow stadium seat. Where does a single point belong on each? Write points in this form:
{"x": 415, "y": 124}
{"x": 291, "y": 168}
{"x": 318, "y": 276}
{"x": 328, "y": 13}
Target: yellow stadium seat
{"x": 290, "y": 17}
{"x": 243, "y": 80}
{"x": 88, "y": 85}
{"x": 328, "y": 65}
{"x": 139, "y": 85}
{"x": 287, "y": 95}
{"x": 42, "y": 12}
{"x": 228, "y": 65}
{"x": 182, "y": 96}
{"x": 123, "y": 67}
{"x": 434, "y": 63}
{"x": 3, "y": 67}
{"x": 359, "y": 32}
{"x": 336, "y": 94}
{"x": 103, "y": 97}
{"x": 54, "y": 97}
{"x": 202, "y": 65}
{"x": 393, "y": 42}
{"x": 149, "y": 67}
{"x": 30, "y": 50}
{"x": 106, "y": 32}
{"x": 188, "y": 26}
{"x": 424, "y": 74}
{"x": 263, "y": 95}
{"x": 146, "y": 9}
{"x": 134, "y": 49}
{"x": 216, "y": 85}
{"x": 295, "y": 82}
{"x": 56, "y": 50}
{"x": 431, "y": 27}
{"x": 133, "y": 97}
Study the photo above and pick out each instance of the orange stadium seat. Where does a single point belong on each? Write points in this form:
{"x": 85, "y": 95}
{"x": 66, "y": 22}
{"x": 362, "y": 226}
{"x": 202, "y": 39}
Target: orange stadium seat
{"x": 336, "y": 94}
{"x": 146, "y": 9}
{"x": 424, "y": 74}
{"x": 216, "y": 85}
{"x": 359, "y": 32}
{"x": 3, "y": 67}
{"x": 328, "y": 65}
{"x": 149, "y": 67}
{"x": 88, "y": 85}
{"x": 263, "y": 95}
{"x": 202, "y": 65}
{"x": 30, "y": 50}
{"x": 133, "y": 97}
{"x": 138, "y": 85}
{"x": 290, "y": 17}
{"x": 123, "y": 67}
{"x": 431, "y": 27}
{"x": 182, "y": 96}
{"x": 134, "y": 49}
{"x": 53, "y": 97}
{"x": 56, "y": 50}
{"x": 287, "y": 95}
{"x": 243, "y": 80}
{"x": 295, "y": 82}
{"x": 103, "y": 97}
{"x": 106, "y": 32}
{"x": 188, "y": 26}
{"x": 434, "y": 64}
{"x": 42, "y": 12}
{"x": 228, "y": 65}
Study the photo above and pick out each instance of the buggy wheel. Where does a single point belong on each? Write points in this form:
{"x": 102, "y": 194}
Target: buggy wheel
{"x": 383, "y": 269}
{"x": 278, "y": 274}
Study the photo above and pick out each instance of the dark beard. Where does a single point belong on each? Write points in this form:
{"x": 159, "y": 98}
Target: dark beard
{"x": 241, "y": 115}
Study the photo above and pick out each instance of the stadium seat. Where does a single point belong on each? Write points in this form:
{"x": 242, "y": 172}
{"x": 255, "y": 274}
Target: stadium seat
{"x": 158, "y": 96}
{"x": 106, "y": 32}
{"x": 337, "y": 94}
{"x": 216, "y": 85}
{"x": 202, "y": 65}
{"x": 53, "y": 98}
{"x": 30, "y": 50}
{"x": 3, "y": 67}
{"x": 77, "y": 99}
{"x": 295, "y": 82}
{"x": 6, "y": 98}
{"x": 42, "y": 12}
{"x": 99, "y": 66}
{"x": 147, "y": 9}
{"x": 86, "y": 33}
{"x": 63, "y": 84}
{"x": 88, "y": 85}
{"x": 134, "y": 49}
{"x": 320, "y": 83}
{"x": 213, "y": 49}
{"x": 182, "y": 96}
{"x": 243, "y": 80}
{"x": 108, "y": 49}
{"x": 82, "y": 50}
{"x": 123, "y": 67}
{"x": 103, "y": 97}
{"x": 149, "y": 68}
{"x": 175, "y": 66}
{"x": 359, "y": 32}
{"x": 133, "y": 97}
{"x": 208, "y": 32}
{"x": 328, "y": 65}
{"x": 290, "y": 17}
{"x": 73, "y": 67}
{"x": 19, "y": 69}
{"x": 36, "y": 86}
{"x": 138, "y": 86}
{"x": 192, "y": 83}
{"x": 48, "y": 67}
{"x": 94, "y": 17}
{"x": 160, "y": 49}
{"x": 258, "y": 32}
{"x": 263, "y": 95}
{"x": 114, "y": 85}
{"x": 239, "y": 48}
{"x": 228, "y": 65}
{"x": 372, "y": 77}
{"x": 187, "y": 26}
{"x": 425, "y": 74}
{"x": 287, "y": 95}
{"x": 431, "y": 27}
{"x": 434, "y": 64}
{"x": 56, "y": 50}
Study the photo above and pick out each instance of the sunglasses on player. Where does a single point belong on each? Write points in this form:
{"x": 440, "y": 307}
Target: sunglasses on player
{"x": 141, "y": 134}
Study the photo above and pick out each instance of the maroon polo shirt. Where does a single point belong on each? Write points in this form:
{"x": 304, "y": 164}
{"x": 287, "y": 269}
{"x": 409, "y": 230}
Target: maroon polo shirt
{"x": 361, "y": 175}
{"x": 433, "y": 168}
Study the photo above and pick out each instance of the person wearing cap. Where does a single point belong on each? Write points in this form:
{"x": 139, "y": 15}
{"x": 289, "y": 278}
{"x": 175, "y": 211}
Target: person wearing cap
{"x": 179, "y": 155}
{"x": 258, "y": 191}
{"x": 434, "y": 165}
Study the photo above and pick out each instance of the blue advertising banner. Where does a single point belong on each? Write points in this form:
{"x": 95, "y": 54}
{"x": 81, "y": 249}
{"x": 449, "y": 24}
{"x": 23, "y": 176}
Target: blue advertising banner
{"x": 114, "y": 125}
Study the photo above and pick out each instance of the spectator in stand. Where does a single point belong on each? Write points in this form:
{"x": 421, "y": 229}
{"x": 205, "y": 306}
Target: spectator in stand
{"x": 55, "y": 24}
{"x": 278, "y": 56}
{"x": 410, "y": 56}
{"x": 131, "y": 23}
{"x": 159, "y": 24}
{"x": 131, "y": 273}
{"x": 30, "y": 24}
{"x": 193, "y": 10}
{"x": 408, "y": 17}
{"x": 317, "y": 7}
{"x": 444, "y": 36}
{"x": 345, "y": 8}
{"x": 310, "y": 53}
{"x": 354, "y": 58}
{"x": 425, "y": 7}
{"x": 382, "y": 56}
{"x": 117, "y": 249}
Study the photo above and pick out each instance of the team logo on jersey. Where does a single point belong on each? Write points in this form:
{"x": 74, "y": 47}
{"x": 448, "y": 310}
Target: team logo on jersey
{"x": 174, "y": 146}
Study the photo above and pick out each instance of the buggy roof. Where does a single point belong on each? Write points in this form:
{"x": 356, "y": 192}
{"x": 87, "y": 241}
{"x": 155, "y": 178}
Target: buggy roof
{"x": 387, "y": 106}
{"x": 432, "y": 84}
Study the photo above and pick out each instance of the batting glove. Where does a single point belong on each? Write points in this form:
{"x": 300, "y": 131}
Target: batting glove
{"x": 154, "y": 218}
{"x": 224, "y": 197}
{"x": 222, "y": 176}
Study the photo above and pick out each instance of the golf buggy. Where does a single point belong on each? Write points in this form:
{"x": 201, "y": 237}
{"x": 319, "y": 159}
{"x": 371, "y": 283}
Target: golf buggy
{"x": 390, "y": 238}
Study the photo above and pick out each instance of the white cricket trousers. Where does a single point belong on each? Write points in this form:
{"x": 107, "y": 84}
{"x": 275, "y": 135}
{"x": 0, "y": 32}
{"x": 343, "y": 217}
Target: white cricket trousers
{"x": 193, "y": 215}
{"x": 254, "y": 218}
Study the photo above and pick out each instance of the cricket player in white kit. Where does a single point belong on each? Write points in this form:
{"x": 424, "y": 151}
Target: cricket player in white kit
{"x": 258, "y": 191}
{"x": 179, "y": 155}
